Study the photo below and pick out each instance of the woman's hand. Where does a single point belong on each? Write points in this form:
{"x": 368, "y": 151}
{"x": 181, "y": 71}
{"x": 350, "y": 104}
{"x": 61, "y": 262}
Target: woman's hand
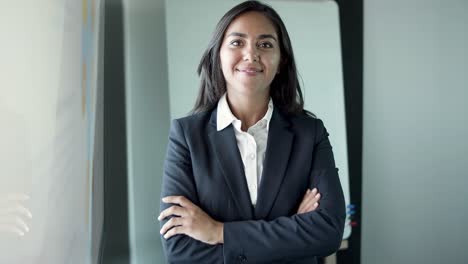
{"x": 13, "y": 214}
{"x": 190, "y": 220}
{"x": 309, "y": 202}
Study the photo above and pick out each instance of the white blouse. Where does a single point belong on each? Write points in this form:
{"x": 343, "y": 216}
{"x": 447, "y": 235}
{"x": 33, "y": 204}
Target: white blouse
{"x": 252, "y": 144}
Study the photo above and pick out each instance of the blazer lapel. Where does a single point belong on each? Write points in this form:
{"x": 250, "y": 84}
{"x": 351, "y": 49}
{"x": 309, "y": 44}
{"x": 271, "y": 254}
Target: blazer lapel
{"x": 227, "y": 154}
{"x": 279, "y": 145}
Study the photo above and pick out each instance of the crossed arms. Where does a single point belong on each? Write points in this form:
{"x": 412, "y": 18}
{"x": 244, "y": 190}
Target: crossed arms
{"x": 194, "y": 237}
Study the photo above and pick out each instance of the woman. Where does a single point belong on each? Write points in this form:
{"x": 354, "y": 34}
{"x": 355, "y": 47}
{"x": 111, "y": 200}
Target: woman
{"x": 237, "y": 171}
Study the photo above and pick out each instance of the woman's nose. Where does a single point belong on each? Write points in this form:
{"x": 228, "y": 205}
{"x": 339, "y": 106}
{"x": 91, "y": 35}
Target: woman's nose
{"x": 251, "y": 54}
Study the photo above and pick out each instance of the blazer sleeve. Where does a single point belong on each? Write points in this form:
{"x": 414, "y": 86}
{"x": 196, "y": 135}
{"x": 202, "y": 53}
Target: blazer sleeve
{"x": 317, "y": 233}
{"x": 178, "y": 180}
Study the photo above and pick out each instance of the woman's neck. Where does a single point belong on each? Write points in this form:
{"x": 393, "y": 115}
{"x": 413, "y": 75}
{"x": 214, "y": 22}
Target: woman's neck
{"x": 249, "y": 109}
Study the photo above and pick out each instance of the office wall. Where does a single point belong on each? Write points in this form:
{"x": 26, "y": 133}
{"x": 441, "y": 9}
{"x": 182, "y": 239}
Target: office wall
{"x": 415, "y": 127}
{"x": 147, "y": 113}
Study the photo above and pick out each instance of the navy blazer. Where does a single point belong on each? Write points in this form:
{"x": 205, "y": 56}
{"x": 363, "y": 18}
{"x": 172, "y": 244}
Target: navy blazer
{"x": 205, "y": 166}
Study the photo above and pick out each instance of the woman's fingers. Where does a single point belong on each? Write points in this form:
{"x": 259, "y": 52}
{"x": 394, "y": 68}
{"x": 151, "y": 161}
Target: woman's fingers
{"x": 14, "y": 208}
{"x": 13, "y": 224}
{"x": 173, "y": 222}
{"x": 19, "y": 222}
{"x": 302, "y": 205}
{"x": 13, "y": 214}
{"x": 307, "y": 197}
{"x": 11, "y": 229}
{"x": 309, "y": 202}
{"x": 313, "y": 204}
{"x": 181, "y": 208}
{"x": 174, "y": 231}
{"x": 180, "y": 200}
{"x": 189, "y": 220}
{"x": 173, "y": 210}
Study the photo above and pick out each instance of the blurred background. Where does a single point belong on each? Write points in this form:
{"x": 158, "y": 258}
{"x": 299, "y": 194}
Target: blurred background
{"x": 88, "y": 89}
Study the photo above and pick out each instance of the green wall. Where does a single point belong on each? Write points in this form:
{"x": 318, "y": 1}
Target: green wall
{"x": 147, "y": 105}
{"x": 415, "y": 127}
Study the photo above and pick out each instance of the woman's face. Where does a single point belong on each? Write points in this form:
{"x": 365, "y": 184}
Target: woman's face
{"x": 250, "y": 54}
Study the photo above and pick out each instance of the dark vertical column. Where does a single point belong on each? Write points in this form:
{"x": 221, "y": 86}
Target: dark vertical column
{"x": 115, "y": 248}
{"x": 351, "y": 24}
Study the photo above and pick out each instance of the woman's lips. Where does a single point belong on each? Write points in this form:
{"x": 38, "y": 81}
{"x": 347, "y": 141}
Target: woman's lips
{"x": 250, "y": 71}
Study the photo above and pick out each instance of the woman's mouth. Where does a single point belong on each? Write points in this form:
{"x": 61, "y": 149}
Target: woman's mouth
{"x": 250, "y": 71}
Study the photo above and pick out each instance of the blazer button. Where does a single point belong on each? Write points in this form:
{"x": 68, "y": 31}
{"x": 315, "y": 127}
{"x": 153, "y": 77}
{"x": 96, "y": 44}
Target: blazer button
{"x": 242, "y": 259}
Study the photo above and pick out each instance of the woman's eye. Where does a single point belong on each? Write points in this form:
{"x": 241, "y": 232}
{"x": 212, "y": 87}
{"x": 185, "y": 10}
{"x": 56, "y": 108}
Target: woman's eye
{"x": 265, "y": 45}
{"x": 235, "y": 43}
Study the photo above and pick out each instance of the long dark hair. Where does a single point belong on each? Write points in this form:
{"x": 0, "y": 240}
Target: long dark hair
{"x": 285, "y": 89}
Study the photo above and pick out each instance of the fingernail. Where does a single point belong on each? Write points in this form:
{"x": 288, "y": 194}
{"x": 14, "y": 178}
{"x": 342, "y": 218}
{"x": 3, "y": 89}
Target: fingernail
{"x": 163, "y": 199}
{"x": 308, "y": 191}
{"x": 317, "y": 195}
{"x": 315, "y": 204}
{"x": 314, "y": 190}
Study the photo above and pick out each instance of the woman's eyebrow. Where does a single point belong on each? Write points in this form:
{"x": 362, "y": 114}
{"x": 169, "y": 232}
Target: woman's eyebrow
{"x": 261, "y": 36}
{"x": 264, "y": 36}
{"x": 237, "y": 34}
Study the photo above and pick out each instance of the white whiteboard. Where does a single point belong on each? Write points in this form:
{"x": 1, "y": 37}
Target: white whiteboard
{"x": 315, "y": 35}
{"x": 48, "y": 104}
